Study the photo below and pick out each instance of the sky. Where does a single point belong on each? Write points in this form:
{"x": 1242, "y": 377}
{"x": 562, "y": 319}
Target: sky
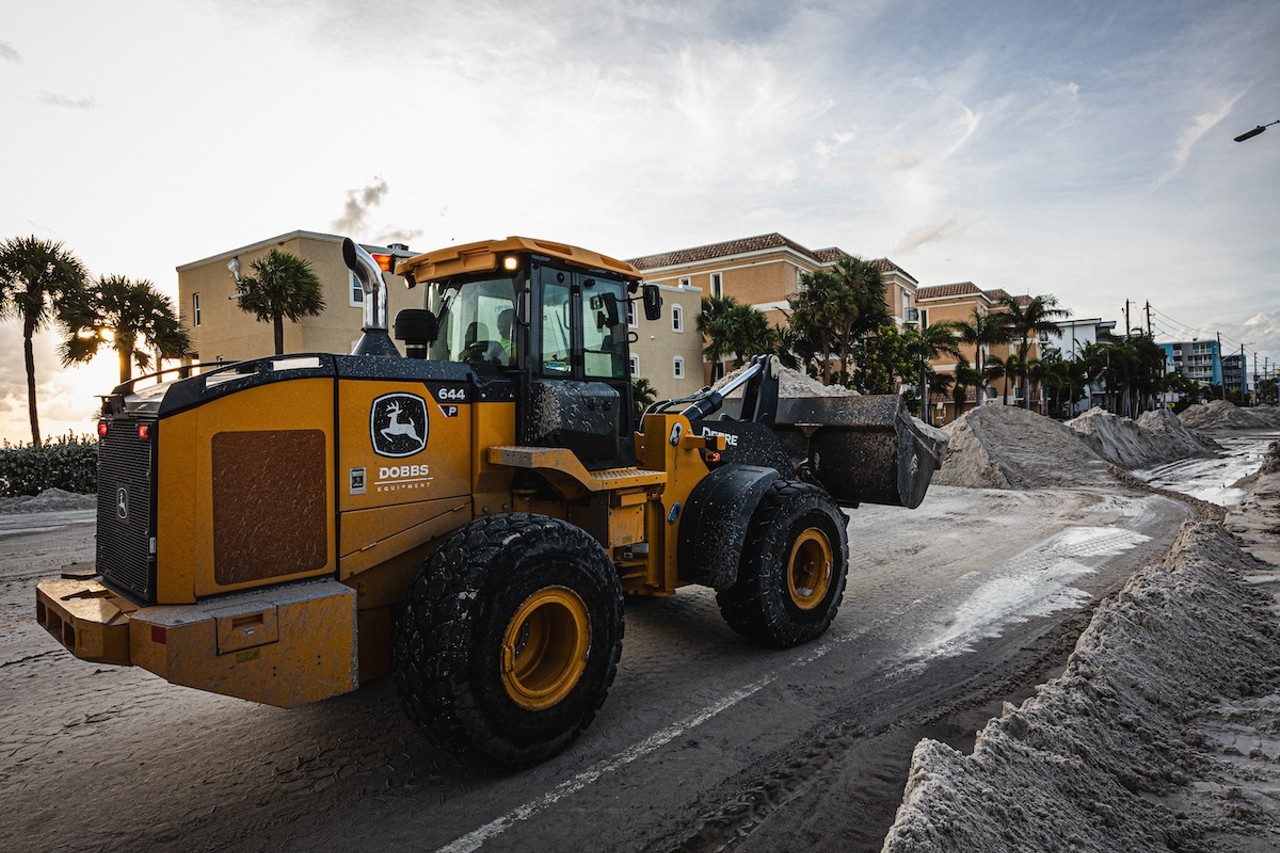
{"x": 1079, "y": 149}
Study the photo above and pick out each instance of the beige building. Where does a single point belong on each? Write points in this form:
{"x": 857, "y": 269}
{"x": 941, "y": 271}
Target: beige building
{"x": 221, "y": 331}
{"x": 763, "y": 272}
{"x": 668, "y": 351}
{"x": 956, "y": 303}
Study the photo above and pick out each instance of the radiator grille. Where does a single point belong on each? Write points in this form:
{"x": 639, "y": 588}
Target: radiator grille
{"x": 126, "y": 522}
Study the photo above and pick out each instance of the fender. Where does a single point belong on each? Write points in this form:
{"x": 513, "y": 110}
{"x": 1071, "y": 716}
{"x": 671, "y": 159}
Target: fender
{"x": 714, "y": 526}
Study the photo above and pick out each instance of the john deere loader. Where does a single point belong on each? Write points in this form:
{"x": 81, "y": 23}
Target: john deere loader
{"x": 468, "y": 516}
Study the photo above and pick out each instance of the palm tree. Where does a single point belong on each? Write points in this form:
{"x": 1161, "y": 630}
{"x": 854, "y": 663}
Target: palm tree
{"x": 797, "y": 348}
{"x": 983, "y": 330}
{"x": 923, "y": 347}
{"x": 1009, "y": 367}
{"x": 642, "y": 394}
{"x": 283, "y": 286}
{"x": 711, "y": 324}
{"x": 965, "y": 377}
{"x": 128, "y": 315}
{"x": 1035, "y": 316}
{"x": 34, "y": 275}
{"x": 1104, "y": 361}
{"x": 734, "y": 329}
{"x": 818, "y": 311}
{"x": 865, "y": 285}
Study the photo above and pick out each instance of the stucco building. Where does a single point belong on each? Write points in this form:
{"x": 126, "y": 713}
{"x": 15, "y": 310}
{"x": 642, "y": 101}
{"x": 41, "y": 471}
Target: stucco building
{"x": 764, "y": 272}
{"x": 221, "y": 331}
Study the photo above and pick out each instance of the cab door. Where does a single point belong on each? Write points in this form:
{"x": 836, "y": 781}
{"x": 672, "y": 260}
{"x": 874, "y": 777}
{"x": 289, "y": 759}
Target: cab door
{"x": 579, "y": 395}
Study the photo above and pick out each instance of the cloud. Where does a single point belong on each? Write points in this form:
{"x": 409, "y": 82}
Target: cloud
{"x": 53, "y": 99}
{"x": 8, "y": 53}
{"x": 896, "y": 160}
{"x": 828, "y": 147}
{"x": 948, "y": 226}
{"x": 1187, "y": 140}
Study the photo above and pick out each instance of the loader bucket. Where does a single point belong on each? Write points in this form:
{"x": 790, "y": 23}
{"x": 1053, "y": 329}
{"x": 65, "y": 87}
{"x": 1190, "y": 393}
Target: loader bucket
{"x": 863, "y": 449}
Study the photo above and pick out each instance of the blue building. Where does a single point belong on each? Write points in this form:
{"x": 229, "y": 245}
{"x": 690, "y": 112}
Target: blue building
{"x": 1195, "y": 359}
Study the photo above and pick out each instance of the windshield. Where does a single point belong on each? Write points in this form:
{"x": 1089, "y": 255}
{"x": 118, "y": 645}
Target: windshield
{"x": 477, "y": 321}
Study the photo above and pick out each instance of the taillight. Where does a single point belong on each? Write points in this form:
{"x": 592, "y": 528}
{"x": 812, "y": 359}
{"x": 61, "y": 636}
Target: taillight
{"x": 144, "y": 431}
{"x": 102, "y": 429}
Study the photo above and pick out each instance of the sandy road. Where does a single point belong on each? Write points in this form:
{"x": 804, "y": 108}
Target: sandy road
{"x": 704, "y": 742}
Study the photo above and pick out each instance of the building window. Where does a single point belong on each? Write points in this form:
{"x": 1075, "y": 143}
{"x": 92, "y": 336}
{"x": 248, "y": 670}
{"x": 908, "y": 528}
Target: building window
{"x": 684, "y": 281}
{"x": 632, "y": 320}
{"x": 195, "y": 309}
{"x": 717, "y": 284}
{"x": 356, "y": 291}
{"x": 677, "y": 318}
{"x": 635, "y": 366}
{"x": 677, "y": 367}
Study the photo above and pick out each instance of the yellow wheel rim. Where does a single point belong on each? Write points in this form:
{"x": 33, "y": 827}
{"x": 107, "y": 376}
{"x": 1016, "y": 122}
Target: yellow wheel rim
{"x": 545, "y": 646}
{"x": 809, "y": 569}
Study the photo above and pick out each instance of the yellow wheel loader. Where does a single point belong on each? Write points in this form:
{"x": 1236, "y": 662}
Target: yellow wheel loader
{"x": 468, "y": 516}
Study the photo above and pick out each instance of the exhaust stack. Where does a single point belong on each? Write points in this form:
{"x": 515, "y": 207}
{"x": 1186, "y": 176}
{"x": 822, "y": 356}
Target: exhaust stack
{"x": 375, "y": 340}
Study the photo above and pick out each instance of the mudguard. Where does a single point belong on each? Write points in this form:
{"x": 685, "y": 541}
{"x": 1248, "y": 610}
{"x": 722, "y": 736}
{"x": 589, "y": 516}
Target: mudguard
{"x": 715, "y": 521}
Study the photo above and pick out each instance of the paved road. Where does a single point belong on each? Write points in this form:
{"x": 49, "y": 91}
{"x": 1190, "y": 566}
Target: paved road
{"x": 704, "y": 743}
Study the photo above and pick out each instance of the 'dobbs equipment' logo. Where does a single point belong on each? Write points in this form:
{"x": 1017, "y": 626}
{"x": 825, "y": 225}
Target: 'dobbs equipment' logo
{"x": 398, "y": 425}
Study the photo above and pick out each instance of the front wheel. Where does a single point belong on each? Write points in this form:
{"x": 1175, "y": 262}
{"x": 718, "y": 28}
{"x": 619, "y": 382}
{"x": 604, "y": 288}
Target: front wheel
{"x": 792, "y": 573}
{"x": 510, "y": 638}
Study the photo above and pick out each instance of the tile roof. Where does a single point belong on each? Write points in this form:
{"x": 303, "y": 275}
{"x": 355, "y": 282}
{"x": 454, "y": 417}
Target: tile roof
{"x": 711, "y": 251}
{"x": 887, "y": 265}
{"x": 759, "y": 243}
{"x": 830, "y": 254}
{"x": 943, "y": 291}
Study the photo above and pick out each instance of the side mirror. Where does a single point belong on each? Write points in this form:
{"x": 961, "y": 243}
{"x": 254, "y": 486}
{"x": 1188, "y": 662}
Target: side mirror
{"x": 652, "y": 298}
{"x": 607, "y": 304}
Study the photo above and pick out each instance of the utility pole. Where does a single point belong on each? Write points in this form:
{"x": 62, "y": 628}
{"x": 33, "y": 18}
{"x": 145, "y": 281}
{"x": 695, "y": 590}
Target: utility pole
{"x": 1128, "y": 327}
{"x": 1149, "y": 335}
{"x": 1244, "y": 379}
{"x": 1224, "y": 378}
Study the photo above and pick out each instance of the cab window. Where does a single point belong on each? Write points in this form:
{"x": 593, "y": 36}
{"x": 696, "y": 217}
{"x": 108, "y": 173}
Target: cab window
{"x": 604, "y": 329}
{"x": 477, "y": 322}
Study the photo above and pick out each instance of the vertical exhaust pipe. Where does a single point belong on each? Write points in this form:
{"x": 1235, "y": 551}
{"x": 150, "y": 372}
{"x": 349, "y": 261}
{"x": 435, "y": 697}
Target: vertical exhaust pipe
{"x": 375, "y": 340}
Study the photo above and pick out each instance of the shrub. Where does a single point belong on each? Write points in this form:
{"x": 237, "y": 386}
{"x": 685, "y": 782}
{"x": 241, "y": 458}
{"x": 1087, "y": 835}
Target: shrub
{"x": 68, "y": 462}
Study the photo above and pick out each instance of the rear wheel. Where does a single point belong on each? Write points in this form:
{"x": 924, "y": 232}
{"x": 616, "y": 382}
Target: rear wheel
{"x": 792, "y": 573}
{"x": 510, "y": 638}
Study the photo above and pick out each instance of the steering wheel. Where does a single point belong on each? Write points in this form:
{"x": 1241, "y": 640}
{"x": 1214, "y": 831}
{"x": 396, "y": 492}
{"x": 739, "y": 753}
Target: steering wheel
{"x": 491, "y": 352}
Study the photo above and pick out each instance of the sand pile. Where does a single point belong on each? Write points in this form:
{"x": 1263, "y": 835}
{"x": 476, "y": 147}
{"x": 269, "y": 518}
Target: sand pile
{"x": 1221, "y": 414}
{"x": 1005, "y": 447}
{"x": 792, "y": 384}
{"x": 1130, "y": 748}
{"x": 50, "y": 500}
{"x": 1131, "y": 444}
{"x": 1165, "y": 422}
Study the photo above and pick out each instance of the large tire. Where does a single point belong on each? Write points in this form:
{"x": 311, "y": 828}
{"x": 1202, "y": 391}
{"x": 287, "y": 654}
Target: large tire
{"x": 509, "y": 639}
{"x": 792, "y": 573}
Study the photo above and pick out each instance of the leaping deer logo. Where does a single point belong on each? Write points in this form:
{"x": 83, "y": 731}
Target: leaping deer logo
{"x": 398, "y": 425}
{"x": 396, "y": 428}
